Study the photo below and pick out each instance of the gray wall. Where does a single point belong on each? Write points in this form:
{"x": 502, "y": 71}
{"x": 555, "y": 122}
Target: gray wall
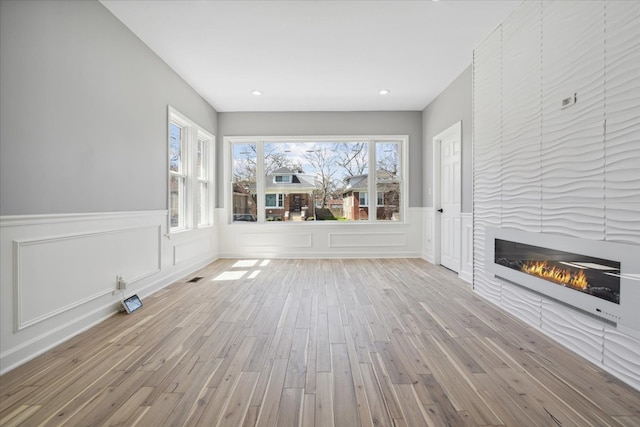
{"x": 83, "y": 111}
{"x": 452, "y": 105}
{"x": 329, "y": 123}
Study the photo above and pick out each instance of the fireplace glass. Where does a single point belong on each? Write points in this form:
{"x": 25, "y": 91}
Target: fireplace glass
{"x": 594, "y": 276}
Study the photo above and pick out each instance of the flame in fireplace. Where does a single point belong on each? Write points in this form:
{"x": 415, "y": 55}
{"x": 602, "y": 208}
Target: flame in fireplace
{"x": 563, "y": 276}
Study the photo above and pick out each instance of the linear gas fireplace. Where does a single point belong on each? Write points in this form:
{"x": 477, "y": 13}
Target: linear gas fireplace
{"x": 593, "y": 276}
{"x": 598, "y": 277}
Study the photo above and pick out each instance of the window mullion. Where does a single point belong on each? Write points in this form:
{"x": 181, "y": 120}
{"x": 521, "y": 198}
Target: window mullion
{"x": 373, "y": 212}
{"x": 260, "y": 181}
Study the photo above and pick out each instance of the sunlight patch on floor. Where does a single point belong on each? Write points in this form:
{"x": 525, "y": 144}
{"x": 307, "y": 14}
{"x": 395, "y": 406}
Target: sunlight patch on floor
{"x": 229, "y": 275}
{"x": 245, "y": 263}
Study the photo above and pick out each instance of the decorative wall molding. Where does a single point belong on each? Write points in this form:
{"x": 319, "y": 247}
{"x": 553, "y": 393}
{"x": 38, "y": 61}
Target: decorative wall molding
{"x": 58, "y": 274}
{"x": 466, "y": 247}
{"x": 21, "y": 220}
{"x": 270, "y": 240}
{"x": 81, "y": 263}
{"x": 428, "y": 242}
{"x": 324, "y": 239}
{"x": 188, "y": 250}
{"x": 369, "y": 240}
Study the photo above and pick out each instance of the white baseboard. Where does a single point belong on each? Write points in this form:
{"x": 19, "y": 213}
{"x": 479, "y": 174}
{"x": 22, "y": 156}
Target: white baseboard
{"x": 59, "y": 272}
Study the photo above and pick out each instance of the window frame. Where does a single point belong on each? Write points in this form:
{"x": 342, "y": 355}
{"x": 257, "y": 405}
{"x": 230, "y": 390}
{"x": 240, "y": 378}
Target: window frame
{"x": 379, "y": 197}
{"x": 289, "y": 179}
{"x": 279, "y": 201}
{"x": 192, "y": 136}
{"x": 401, "y": 140}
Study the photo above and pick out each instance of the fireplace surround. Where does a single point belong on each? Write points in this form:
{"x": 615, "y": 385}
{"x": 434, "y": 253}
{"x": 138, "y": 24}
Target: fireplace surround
{"x": 597, "y": 277}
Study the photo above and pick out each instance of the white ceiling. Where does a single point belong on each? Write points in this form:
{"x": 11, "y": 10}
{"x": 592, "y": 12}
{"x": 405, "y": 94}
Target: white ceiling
{"x": 314, "y": 55}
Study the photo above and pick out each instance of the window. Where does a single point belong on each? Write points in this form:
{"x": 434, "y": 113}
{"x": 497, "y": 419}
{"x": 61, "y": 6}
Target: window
{"x": 190, "y": 175}
{"x": 364, "y": 198}
{"x": 316, "y": 179}
{"x": 274, "y": 200}
{"x": 282, "y": 179}
{"x": 177, "y": 176}
{"x": 202, "y": 202}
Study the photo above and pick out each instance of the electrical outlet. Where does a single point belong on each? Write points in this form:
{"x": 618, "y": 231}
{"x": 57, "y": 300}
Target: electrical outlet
{"x": 569, "y": 101}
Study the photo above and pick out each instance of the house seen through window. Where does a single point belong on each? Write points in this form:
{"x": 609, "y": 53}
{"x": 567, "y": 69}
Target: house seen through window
{"x": 316, "y": 180}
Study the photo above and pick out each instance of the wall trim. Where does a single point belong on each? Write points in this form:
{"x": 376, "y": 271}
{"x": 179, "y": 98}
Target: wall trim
{"x": 19, "y": 220}
{"x": 18, "y": 248}
{"x": 428, "y": 214}
{"x": 77, "y": 258}
{"x": 353, "y": 243}
{"x": 466, "y": 247}
{"x": 96, "y": 317}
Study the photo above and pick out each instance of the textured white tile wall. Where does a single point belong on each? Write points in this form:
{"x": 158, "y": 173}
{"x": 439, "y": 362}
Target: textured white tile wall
{"x": 571, "y": 171}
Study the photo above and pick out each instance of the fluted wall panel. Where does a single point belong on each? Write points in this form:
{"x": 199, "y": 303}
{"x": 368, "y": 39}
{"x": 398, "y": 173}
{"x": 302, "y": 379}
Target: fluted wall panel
{"x": 621, "y": 351}
{"x": 521, "y": 303}
{"x": 487, "y": 107}
{"x": 525, "y": 217}
{"x": 573, "y": 171}
{"x": 521, "y": 104}
{"x": 622, "y": 102}
{"x": 580, "y": 333}
{"x": 580, "y": 220}
{"x": 573, "y": 137}
{"x": 623, "y": 223}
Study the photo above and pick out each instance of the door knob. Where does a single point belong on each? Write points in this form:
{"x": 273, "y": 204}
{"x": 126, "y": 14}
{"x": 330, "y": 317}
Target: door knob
{"x": 440, "y": 210}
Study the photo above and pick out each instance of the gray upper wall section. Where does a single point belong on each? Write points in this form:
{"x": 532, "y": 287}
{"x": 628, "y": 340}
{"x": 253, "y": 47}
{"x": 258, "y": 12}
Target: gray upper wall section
{"x": 83, "y": 111}
{"x": 330, "y": 123}
{"x": 83, "y": 116}
{"x": 454, "y": 104}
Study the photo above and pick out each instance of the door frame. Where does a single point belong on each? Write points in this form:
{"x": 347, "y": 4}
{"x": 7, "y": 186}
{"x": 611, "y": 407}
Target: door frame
{"x": 454, "y": 129}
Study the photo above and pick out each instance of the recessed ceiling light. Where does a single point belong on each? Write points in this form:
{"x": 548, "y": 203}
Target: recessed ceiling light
{"x": 256, "y": 92}
{"x": 384, "y": 92}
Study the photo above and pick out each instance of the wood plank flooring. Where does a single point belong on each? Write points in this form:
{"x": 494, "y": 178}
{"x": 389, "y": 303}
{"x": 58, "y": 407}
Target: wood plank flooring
{"x": 315, "y": 343}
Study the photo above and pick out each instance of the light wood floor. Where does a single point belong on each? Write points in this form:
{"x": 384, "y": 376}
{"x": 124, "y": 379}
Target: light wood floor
{"x": 315, "y": 342}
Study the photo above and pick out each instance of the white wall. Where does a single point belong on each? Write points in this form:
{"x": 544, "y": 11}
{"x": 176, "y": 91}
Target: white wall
{"x": 83, "y": 172}
{"x": 59, "y": 272}
{"x": 563, "y": 172}
{"x": 326, "y": 239}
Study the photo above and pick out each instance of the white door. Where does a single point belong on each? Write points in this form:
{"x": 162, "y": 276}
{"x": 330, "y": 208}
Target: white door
{"x": 450, "y": 196}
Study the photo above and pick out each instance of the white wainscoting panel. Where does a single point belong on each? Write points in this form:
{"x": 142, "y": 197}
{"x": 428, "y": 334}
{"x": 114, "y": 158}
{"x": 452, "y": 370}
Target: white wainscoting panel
{"x": 59, "y": 273}
{"x": 271, "y": 240}
{"x": 466, "y": 247}
{"x": 428, "y": 249}
{"x": 187, "y": 251}
{"x": 369, "y": 240}
{"x": 323, "y": 239}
